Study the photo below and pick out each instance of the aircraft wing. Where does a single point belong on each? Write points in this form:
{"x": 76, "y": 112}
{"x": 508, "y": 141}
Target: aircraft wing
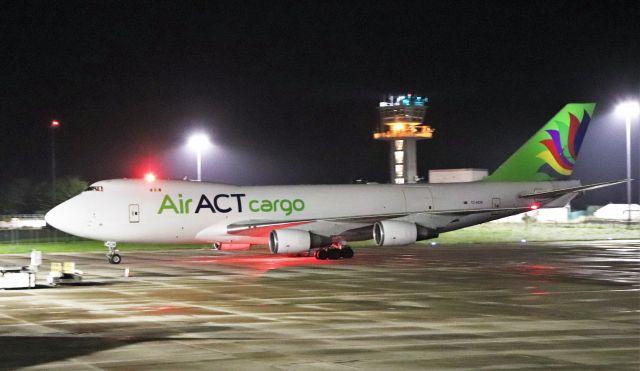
{"x": 562, "y": 192}
{"x": 263, "y": 227}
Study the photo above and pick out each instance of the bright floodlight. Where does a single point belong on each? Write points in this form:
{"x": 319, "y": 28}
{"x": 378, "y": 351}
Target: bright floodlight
{"x": 628, "y": 109}
{"x": 198, "y": 142}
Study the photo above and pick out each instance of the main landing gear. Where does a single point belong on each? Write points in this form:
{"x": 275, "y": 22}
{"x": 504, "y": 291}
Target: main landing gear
{"x": 334, "y": 253}
{"x": 112, "y": 255}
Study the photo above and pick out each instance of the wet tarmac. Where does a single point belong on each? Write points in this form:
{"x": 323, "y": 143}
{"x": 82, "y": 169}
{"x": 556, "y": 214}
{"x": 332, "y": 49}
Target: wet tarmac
{"x": 573, "y": 306}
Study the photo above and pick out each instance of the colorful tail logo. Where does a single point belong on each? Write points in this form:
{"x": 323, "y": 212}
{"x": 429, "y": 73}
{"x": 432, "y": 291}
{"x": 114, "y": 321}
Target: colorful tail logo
{"x": 563, "y": 147}
{"x": 551, "y": 153}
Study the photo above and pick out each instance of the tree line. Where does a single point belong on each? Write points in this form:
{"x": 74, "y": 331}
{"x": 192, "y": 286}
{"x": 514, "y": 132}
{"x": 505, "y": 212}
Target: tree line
{"x": 26, "y": 196}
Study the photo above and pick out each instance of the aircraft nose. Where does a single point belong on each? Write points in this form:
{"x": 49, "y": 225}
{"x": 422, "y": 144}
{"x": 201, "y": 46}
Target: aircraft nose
{"x": 61, "y": 217}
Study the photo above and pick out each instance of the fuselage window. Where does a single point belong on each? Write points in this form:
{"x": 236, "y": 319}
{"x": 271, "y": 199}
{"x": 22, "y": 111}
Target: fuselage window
{"x": 94, "y": 189}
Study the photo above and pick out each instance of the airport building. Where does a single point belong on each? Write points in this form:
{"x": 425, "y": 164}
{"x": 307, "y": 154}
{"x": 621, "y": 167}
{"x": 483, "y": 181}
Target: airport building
{"x": 456, "y": 175}
{"x": 401, "y": 124}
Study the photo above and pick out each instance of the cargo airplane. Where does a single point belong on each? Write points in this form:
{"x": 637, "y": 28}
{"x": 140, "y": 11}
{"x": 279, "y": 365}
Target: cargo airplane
{"x": 321, "y": 219}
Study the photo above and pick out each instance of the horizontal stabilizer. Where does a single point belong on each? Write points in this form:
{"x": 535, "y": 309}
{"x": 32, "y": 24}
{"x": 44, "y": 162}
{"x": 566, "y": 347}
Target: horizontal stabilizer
{"x": 560, "y": 192}
{"x": 476, "y": 211}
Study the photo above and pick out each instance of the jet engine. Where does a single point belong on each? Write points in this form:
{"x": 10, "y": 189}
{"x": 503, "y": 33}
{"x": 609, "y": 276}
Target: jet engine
{"x": 397, "y": 233}
{"x": 295, "y": 241}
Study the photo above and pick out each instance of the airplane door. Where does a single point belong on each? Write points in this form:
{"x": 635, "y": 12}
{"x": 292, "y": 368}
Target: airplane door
{"x": 134, "y": 213}
{"x": 495, "y": 203}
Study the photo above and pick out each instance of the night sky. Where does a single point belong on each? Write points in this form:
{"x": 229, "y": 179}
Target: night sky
{"x": 288, "y": 90}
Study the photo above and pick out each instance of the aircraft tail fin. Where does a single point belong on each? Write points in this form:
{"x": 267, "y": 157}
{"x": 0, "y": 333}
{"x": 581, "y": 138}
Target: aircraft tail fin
{"x": 551, "y": 153}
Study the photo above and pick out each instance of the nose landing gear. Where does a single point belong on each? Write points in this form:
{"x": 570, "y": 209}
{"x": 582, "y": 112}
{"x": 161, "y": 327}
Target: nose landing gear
{"x": 112, "y": 256}
{"x": 334, "y": 252}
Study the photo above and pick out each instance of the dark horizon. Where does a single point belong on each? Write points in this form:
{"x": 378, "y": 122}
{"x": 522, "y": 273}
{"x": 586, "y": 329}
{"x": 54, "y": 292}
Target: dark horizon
{"x": 288, "y": 91}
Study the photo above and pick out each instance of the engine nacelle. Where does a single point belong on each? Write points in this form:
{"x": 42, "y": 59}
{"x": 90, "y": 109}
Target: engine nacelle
{"x": 295, "y": 241}
{"x": 397, "y": 233}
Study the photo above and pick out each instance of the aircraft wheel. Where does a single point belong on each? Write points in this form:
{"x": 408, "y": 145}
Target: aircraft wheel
{"x": 333, "y": 253}
{"x": 346, "y": 252}
{"x": 321, "y": 254}
{"x": 115, "y": 259}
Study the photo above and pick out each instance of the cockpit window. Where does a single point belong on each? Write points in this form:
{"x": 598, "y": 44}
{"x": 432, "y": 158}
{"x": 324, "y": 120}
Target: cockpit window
{"x": 94, "y": 189}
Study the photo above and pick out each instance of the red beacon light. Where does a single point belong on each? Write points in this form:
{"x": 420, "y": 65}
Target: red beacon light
{"x": 55, "y": 123}
{"x": 534, "y": 206}
{"x": 150, "y": 177}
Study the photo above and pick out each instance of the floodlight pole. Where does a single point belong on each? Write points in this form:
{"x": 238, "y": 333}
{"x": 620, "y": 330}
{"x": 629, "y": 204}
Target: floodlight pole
{"x": 629, "y": 169}
{"x": 198, "y": 142}
{"x": 53, "y": 165}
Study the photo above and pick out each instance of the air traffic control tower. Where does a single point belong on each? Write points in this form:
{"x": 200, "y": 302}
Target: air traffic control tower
{"x": 401, "y": 124}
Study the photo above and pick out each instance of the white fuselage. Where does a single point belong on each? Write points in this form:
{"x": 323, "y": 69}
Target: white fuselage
{"x": 167, "y": 211}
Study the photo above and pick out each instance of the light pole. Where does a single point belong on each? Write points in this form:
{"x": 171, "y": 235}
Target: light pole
{"x": 54, "y": 124}
{"x": 629, "y": 110}
{"x": 198, "y": 143}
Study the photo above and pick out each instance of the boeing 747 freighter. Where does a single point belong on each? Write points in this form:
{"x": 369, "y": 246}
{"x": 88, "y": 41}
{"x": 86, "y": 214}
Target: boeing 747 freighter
{"x": 322, "y": 219}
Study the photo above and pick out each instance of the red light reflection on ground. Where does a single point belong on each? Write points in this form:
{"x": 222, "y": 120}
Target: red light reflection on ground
{"x": 539, "y": 293}
{"x": 536, "y": 274}
{"x": 260, "y": 264}
{"x": 538, "y": 270}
